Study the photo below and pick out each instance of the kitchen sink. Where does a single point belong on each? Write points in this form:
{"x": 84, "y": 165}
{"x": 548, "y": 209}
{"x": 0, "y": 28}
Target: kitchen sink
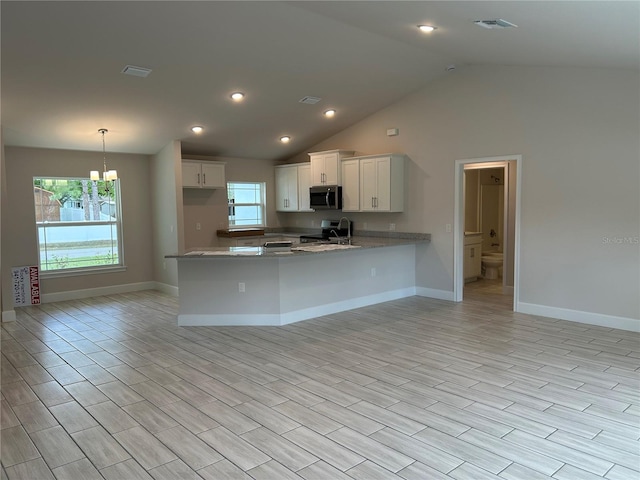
{"x": 340, "y": 240}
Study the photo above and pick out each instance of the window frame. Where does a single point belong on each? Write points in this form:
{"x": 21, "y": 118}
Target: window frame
{"x": 114, "y": 224}
{"x": 262, "y": 205}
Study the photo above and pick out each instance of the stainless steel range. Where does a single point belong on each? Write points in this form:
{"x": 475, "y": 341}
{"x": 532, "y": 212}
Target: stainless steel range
{"x": 330, "y": 228}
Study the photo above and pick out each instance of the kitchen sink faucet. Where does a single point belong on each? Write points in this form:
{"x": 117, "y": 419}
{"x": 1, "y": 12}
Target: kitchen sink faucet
{"x": 348, "y": 228}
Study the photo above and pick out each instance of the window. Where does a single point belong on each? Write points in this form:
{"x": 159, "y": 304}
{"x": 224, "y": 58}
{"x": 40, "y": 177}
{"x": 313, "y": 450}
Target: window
{"x": 246, "y": 204}
{"x": 78, "y": 223}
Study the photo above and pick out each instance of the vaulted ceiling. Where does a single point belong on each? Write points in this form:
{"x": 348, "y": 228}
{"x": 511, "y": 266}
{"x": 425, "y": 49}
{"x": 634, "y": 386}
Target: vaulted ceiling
{"x": 62, "y": 63}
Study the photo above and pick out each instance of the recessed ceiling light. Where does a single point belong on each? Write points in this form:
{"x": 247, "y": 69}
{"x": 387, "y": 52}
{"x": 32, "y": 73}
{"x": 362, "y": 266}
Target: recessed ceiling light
{"x": 197, "y": 129}
{"x": 285, "y": 139}
{"x": 237, "y": 96}
{"x": 329, "y": 113}
{"x": 427, "y": 28}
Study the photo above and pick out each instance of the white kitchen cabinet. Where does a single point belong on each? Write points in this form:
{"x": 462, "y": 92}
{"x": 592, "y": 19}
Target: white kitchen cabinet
{"x": 292, "y": 187}
{"x": 381, "y": 182}
{"x": 287, "y": 188}
{"x": 304, "y": 183}
{"x": 256, "y": 241}
{"x": 203, "y": 174}
{"x": 472, "y": 262}
{"x": 351, "y": 185}
{"x": 326, "y": 168}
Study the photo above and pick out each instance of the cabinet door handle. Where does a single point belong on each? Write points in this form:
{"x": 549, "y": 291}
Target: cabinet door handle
{"x": 204, "y": 178}
{"x": 198, "y": 179}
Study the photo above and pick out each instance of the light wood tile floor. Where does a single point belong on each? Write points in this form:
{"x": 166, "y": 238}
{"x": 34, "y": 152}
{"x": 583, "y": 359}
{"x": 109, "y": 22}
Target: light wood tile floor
{"x": 111, "y": 387}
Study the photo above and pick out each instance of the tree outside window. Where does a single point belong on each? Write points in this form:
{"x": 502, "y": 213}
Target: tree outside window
{"x": 78, "y": 223}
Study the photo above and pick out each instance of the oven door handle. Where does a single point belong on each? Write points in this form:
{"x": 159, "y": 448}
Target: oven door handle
{"x": 327, "y": 199}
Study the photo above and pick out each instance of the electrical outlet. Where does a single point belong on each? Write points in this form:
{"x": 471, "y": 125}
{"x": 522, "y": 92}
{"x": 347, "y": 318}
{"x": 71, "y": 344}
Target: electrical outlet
{"x": 198, "y": 226}
{"x": 241, "y": 287}
{"x": 447, "y": 228}
{"x": 373, "y": 272}
{"x": 171, "y": 228}
{"x": 392, "y": 226}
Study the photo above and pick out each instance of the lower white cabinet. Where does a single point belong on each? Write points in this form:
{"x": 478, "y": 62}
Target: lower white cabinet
{"x": 255, "y": 241}
{"x": 472, "y": 262}
{"x": 292, "y": 187}
{"x": 373, "y": 183}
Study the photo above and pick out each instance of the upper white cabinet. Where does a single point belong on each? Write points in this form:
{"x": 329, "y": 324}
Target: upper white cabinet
{"x": 379, "y": 186}
{"x": 304, "y": 183}
{"x": 197, "y": 174}
{"x": 351, "y": 185}
{"x": 325, "y": 166}
{"x": 292, "y": 187}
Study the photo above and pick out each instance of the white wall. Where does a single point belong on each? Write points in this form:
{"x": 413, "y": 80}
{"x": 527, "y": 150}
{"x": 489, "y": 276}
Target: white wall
{"x": 577, "y": 130}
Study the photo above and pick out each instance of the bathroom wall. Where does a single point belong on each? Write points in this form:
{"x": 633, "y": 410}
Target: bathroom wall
{"x": 471, "y": 213}
{"x": 491, "y": 209}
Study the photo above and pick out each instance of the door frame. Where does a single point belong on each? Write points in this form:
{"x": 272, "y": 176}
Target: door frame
{"x": 458, "y": 222}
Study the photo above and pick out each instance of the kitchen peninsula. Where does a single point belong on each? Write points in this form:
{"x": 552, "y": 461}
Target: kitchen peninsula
{"x": 253, "y": 286}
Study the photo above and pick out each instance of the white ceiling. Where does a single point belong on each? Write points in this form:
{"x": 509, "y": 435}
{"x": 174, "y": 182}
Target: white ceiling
{"x": 61, "y": 64}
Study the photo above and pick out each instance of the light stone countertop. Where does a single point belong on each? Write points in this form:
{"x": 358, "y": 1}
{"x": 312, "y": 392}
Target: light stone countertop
{"x": 357, "y": 243}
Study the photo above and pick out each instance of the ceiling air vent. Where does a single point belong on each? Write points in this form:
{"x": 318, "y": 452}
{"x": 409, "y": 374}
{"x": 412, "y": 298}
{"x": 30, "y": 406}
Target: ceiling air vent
{"x": 309, "y": 100}
{"x": 495, "y": 24}
{"x": 136, "y": 71}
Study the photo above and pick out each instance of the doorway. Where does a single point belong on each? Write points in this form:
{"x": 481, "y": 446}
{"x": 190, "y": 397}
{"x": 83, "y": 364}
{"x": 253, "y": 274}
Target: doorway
{"x": 496, "y": 183}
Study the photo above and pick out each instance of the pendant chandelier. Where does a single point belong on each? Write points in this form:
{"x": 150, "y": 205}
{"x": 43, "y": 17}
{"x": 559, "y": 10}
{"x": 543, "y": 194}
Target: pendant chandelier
{"x": 107, "y": 175}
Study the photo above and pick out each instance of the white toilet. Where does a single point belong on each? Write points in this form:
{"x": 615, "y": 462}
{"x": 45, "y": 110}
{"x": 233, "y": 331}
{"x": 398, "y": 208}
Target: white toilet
{"x": 491, "y": 265}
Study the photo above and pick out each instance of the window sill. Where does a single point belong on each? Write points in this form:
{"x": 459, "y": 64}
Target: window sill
{"x": 74, "y": 272}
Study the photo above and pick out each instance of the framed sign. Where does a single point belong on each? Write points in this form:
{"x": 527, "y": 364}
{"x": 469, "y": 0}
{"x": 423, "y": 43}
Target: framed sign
{"x": 26, "y": 286}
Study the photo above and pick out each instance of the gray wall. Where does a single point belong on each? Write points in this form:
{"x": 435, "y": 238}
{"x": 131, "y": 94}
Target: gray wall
{"x": 577, "y": 130}
{"x": 166, "y": 235}
{"x": 208, "y": 207}
{"x": 19, "y": 238}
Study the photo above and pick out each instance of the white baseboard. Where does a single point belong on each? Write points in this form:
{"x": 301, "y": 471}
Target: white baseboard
{"x": 434, "y": 293}
{"x": 331, "y": 308}
{"x": 9, "y": 316}
{"x": 610, "y": 321}
{"x": 166, "y": 288}
{"x": 231, "y": 319}
{"x": 275, "y": 319}
{"x": 97, "y": 292}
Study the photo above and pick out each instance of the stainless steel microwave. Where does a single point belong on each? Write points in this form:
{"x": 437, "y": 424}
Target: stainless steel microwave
{"x": 326, "y": 197}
